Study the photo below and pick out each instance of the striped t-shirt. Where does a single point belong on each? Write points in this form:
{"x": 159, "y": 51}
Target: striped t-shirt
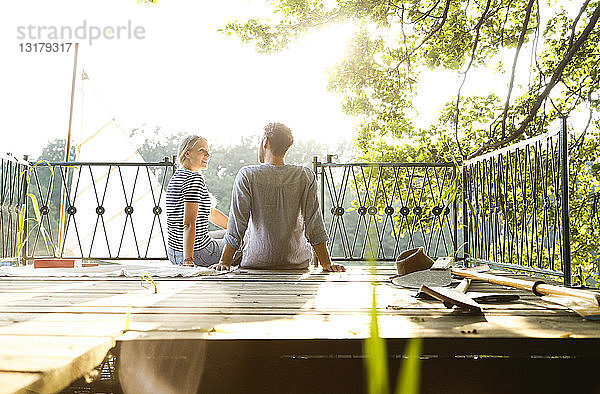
{"x": 187, "y": 186}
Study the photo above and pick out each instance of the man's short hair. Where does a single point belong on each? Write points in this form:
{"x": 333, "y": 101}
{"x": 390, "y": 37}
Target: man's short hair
{"x": 280, "y": 138}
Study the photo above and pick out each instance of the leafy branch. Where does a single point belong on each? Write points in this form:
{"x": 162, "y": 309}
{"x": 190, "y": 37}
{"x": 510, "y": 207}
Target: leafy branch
{"x": 568, "y": 56}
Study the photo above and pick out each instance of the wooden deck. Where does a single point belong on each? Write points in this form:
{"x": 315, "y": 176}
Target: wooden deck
{"x": 53, "y": 331}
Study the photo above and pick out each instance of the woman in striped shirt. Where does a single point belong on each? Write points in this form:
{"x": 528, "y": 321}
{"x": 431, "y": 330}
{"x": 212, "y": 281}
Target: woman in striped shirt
{"x": 189, "y": 208}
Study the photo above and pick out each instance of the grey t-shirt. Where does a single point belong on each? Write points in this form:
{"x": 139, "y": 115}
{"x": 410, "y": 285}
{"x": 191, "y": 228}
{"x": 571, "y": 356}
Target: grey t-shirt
{"x": 279, "y": 207}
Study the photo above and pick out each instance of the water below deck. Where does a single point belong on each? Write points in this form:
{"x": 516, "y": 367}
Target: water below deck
{"x": 277, "y": 331}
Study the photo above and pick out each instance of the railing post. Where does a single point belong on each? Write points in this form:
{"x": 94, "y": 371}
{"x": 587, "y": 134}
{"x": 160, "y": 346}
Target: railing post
{"x": 455, "y": 213}
{"x": 322, "y": 202}
{"x": 24, "y": 186}
{"x": 466, "y": 251}
{"x": 564, "y": 180}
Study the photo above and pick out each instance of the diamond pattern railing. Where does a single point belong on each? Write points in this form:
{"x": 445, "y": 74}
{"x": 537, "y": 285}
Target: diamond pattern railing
{"x": 106, "y": 211}
{"x": 376, "y": 210}
{"x": 12, "y": 195}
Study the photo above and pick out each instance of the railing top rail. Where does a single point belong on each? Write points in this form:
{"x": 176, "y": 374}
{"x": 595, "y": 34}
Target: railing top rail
{"x": 417, "y": 164}
{"x": 107, "y": 163}
{"x": 512, "y": 147}
{"x": 520, "y": 267}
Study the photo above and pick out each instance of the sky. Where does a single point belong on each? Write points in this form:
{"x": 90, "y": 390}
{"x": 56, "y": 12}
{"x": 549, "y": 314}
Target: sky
{"x": 183, "y": 75}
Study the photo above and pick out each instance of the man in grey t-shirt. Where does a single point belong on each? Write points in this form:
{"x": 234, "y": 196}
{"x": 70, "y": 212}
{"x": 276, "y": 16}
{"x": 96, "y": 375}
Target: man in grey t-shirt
{"x": 277, "y": 204}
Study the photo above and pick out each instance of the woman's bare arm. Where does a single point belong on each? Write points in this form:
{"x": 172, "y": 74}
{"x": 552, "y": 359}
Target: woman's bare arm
{"x": 218, "y": 218}
{"x": 190, "y": 213}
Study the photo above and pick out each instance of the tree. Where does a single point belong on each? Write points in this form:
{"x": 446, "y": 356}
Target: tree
{"x": 395, "y": 43}
{"x": 226, "y": 160}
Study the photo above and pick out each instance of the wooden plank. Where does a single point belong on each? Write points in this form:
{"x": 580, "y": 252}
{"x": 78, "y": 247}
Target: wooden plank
{"x": 343, "y": 327}
{"x": 264, "y": 307}
{"x": 178, "y": 306}
{"x": 262, "y": 289}
{"x": 54, "y": 361}
{"x": 43, "y": 353}
{"x": 17, "y": 382}
{"x": 60, "y": 354}
{"x": 238, "y": 300}
{"x": 327, "y": 295}
{"x": 110, "y": 322}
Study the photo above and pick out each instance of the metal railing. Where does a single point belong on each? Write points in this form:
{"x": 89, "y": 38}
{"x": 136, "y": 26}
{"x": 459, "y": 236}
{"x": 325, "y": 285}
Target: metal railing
{"x": 594, "y": 214}
{"x": 98, "y": 211}
{"x": 12, "y": 196}
{"x": 514, "y": 211}
{"x": 515, "y": 205}
{"x": 376, "y": 210}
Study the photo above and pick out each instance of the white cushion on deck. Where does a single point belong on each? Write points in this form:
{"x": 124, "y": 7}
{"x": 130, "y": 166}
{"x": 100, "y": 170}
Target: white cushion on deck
{"x": 111, "y": 270}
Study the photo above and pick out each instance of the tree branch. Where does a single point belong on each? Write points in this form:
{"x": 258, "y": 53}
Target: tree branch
{"x": 426, "y": 14}
{"x": 431, "y": 33}
{"x": 514, "y": 66}
{"x": 581, "y": 138}
{"x": 536, "y": 39}
{"x": 575, "y": 21}
{"x": 473, "y": 52}
{"x": 504, "y": 24}
{"x": 542, "y": 97}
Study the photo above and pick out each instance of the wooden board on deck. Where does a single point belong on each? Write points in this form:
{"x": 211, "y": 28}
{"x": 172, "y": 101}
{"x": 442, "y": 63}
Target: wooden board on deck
{"x": 47, "y": 363}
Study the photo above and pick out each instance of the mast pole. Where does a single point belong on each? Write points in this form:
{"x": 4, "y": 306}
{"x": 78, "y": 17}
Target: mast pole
{"x": 67, "y": 151}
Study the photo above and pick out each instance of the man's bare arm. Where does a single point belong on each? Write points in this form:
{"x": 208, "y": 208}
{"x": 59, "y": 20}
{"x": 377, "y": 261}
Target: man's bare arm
{"x": 325, "y": 260}
{"x": 226, "y": 259}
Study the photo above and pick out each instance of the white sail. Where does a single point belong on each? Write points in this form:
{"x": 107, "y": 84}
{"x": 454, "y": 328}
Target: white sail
{"x": 115, "y": 205}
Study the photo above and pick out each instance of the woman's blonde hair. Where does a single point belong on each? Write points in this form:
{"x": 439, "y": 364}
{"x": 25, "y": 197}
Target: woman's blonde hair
{"x": 186, "y": 144}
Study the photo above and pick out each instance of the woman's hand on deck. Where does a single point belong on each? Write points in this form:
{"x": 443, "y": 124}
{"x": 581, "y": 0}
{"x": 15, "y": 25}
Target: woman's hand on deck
{"x": 328, "y": 267}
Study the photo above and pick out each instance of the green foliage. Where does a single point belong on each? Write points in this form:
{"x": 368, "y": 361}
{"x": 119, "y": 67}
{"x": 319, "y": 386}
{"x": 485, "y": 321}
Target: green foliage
{"x": 21, "y": 236}
{"x": 376, "y": 355}
{"x": 376, "y": 365}
{"x": 396, "y": 43}
{"x": 227, "y": 159}
{"x": 409, "y": 379}
{"x": 585, "y": 224}
{"x": 54, "y": 151}
{"x": 375, "y": 351}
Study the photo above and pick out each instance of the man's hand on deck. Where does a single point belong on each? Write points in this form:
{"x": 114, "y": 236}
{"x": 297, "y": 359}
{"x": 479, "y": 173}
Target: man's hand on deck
{"x": 220, "y": 266}
{"x": 323, "y": 256}
{"x": 328, "y": 267}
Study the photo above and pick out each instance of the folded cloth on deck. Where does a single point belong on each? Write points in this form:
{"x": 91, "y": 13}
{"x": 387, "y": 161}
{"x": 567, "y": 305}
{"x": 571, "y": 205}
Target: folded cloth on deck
{"x": 112, "y": 270}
